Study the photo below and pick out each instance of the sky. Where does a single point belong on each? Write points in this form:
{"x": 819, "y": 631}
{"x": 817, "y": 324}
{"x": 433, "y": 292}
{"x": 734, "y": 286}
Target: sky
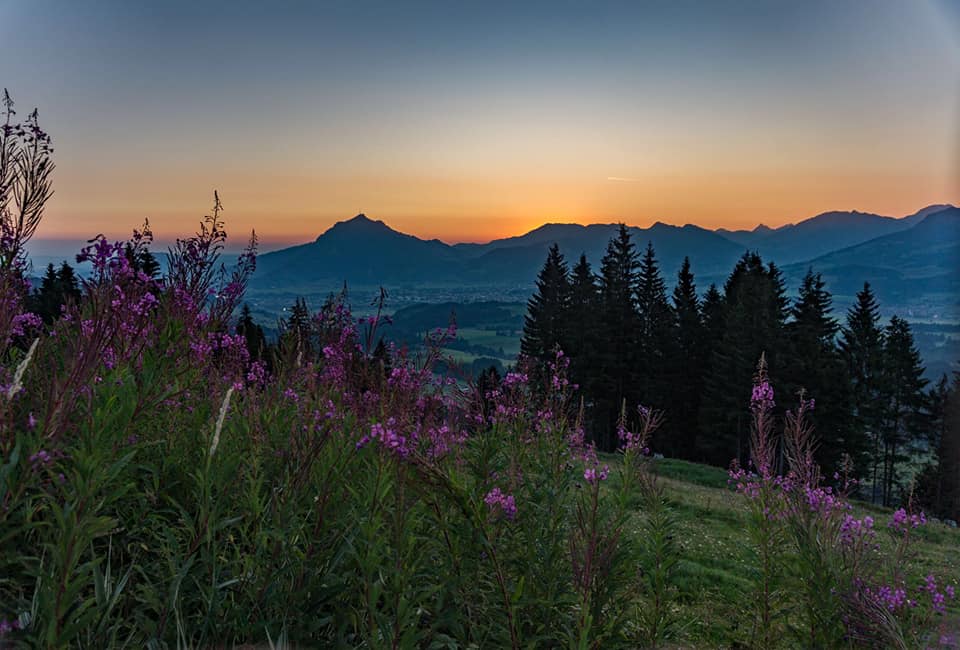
{"x": 469, "y": 121}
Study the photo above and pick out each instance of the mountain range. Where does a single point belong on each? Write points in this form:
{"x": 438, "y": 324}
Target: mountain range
{"x": 904, "y": 257}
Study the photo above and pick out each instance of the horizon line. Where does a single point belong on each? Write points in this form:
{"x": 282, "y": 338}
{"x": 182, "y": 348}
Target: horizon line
{"x": 277, "y": 243}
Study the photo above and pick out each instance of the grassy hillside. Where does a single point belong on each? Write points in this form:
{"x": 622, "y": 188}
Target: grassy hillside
{"x": 718, "y": 562}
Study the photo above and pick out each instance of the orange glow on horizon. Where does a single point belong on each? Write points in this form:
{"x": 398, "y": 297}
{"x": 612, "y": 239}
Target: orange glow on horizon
{"x": 479, "y": 210}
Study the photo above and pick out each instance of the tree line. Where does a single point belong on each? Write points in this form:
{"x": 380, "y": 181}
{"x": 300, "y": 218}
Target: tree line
{"x": 630, "y": 342}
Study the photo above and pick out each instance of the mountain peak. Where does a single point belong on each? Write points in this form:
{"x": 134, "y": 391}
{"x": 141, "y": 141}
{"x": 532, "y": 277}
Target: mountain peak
{"x": 358, "y": 225}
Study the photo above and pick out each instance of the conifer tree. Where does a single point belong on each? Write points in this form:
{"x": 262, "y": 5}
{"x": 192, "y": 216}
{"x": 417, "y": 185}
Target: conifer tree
{"x": 47, "y": 300}
{"x": 861, "y": 349}
{"x": 582, "y": 323}
{"x": 903, "y": 402}
{"x": 754, "y": 312}
{"x": 655, "y": 347}
{"x": 684, "y": 403}
{"x": 252, "y": 333}
{"x": 296, "y": 331}
{"x": 69, "y": 283}
{"x": 544, "y": 328}
{"x": 616, "y": 352}
{"x": 711, "y": 309}
{"x": 939, "y": 483}
{"x": 57, "y": 289}
{"x": 814, "y": 365}
{"x": 948, "y": 455}
{"x": 655, "y": 333}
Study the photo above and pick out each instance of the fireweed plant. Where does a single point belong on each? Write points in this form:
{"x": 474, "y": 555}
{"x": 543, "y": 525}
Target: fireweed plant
{"x": 159, "y": 488}
{"x": 823, "y": 578}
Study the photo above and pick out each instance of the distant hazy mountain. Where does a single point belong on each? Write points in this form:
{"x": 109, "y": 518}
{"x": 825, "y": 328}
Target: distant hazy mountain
{"x": 824, "y": 233}
{"x": 904, "y": 266}
{"x": 358, "y": 251}
{"x": 363, "y": 252}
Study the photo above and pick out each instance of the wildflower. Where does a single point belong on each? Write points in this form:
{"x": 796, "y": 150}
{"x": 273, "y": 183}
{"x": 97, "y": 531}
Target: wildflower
{"x": 497, "y": 500}
{"x": 515, "y": 379}
{"x": 388, "y": 437}
{"x": 902, "y": 521}
{"x": 762, "y": 397}
{"x": 6, "y": 627}
{"x": 40, "y": 459}
{"x": 591, "y": 475}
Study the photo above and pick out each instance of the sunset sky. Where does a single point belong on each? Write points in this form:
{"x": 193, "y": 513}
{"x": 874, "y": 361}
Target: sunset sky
{"x": 474, "y": 120}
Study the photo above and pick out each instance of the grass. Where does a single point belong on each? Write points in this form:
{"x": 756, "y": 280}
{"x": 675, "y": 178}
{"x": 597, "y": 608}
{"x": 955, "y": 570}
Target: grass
{"x": 717, "y": 566}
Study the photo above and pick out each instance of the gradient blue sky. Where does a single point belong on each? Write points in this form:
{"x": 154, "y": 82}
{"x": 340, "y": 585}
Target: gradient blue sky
{"x": 468, "y": 121}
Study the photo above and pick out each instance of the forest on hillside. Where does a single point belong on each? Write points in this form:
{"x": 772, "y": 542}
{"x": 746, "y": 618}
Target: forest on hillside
{"x": 693, "y": 356}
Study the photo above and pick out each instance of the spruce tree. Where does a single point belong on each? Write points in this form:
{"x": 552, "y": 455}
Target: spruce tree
{"x": 937, "y": 483}
{"x": 813, "y": 364}
{"x": 861, "y": 349}
{"x": 544, "y": 327}
{"x": 616, "y": 351}
{"x": 47, "y": 300}
{"x": 297, "y": 332}
{"x": 754, "y": 312}
{"x": 69, "y": 284}
{"x": 57, "y": 289}
{"x": 903, "y": 401}
{"x": 948, "y": 455}
{"x": 582, "y": 323}
{"x": 252, "y": 333}
{"x": 655, "y": 333}
{"x": 711, "y": 308}
{"x": 684, "y": 403}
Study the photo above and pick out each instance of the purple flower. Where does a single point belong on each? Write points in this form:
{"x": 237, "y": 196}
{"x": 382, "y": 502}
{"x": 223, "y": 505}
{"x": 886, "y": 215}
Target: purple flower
{"x": 496, "y": 500}
{"x": 592, "y": 475}
{"x": 902, "y": 521}
{"x": 8, "y": 626}
{"x": 762, "y": 397}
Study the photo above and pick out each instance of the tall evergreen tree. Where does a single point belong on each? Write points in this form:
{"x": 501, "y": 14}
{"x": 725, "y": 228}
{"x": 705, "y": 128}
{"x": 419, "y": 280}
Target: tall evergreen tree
{"x": 684, "y": 403}
{"x": 252, "y": 333}
{"x": 903, "y": 401}
{"x": 47, "y": 300}
{"x": 940, "y": 479}
{"x": 813, "y": 364}
{"x": 57, "y": 289}
{"x": 711, "y": 309}
{"x": 861, "y": 348}
{"x": 296, "y": 338}
{"x": 582, "y": 323}
{"x": 544, "y": 327}
{"x": 616, "y": 353}
{"x": 655, "y": 347}
{"x": 948, "y": 455}
{"x": 754, "y": 312}
{"x": 69, "y": 284}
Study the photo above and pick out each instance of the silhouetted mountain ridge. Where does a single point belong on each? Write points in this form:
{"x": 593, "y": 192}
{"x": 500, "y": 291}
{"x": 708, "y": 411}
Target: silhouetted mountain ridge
{"x": 366, "y": 252}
